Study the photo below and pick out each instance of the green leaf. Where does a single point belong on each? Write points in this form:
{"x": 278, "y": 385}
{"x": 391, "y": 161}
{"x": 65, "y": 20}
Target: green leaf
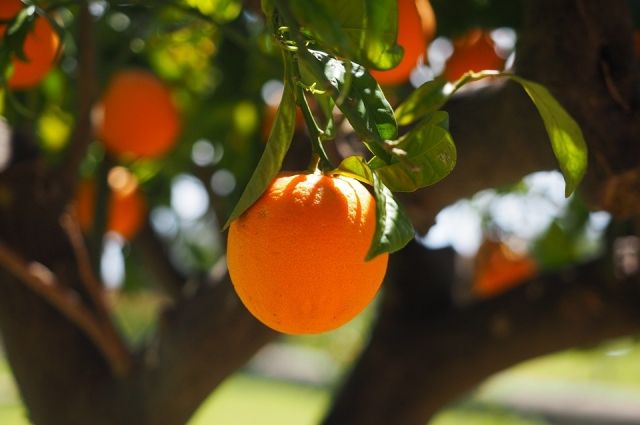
{"x": 364, "y": 105}
{"x": 425, "y": 155}
{"x": 356, "y": 167}
{"x": 326, "y": 104}
{"x": 393, "y": 228}
{"x": 274, "y": 152}
{"x": 373, "y": 27}
{"x": 566, "y": 137}
{"x": 364, "y": 31}
{"x": 222, "y": 10}
{"x": 425, "y": 99}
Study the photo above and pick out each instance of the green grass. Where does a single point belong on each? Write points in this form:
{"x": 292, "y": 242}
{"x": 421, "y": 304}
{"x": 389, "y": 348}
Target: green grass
{"x": 11, "y": 411}
{"x": 13, "y": 415}
{"x": 245, "y": 400}
{"x": 483, "y": 416}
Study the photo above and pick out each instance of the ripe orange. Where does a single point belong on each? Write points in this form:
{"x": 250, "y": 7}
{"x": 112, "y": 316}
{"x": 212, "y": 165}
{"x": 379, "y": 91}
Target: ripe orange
{"x": 498, "y": 268}
{"x": 40, "y": 47}
{"x": 126, "y": 204}
{"x": 474, "y": 51}
{"x": 297, "y": 256}
{"x": 416, "y": 28}
{"x": 137, "y": 116}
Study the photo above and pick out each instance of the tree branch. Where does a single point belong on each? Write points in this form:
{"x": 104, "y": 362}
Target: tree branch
{"x": 433, "y": 350}
{"x": 43, "y": 282}
{"x": 91, "y": 284}
{"x": 200, "y": 342}
{"x": 83, "y": 131}
{"x": 156, "y": 257}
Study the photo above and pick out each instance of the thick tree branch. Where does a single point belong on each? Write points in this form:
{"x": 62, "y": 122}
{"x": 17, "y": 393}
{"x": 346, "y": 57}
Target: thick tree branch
{"x": 433, "y": 350}
{"x": 156, "y": 257}
{"x": 94, "y": 288}
{"x": 43, "y": 282}
{"x": 200, "y": 342}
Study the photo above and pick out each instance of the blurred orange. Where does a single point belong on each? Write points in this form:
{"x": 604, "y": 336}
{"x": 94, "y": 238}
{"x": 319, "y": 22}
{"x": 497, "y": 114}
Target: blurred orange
{"x": 416, "y": 28}
{"x": 498, "y": 268}
{"x": 126, "y": 206}
{"x": 40, "y": 47}
{"x": 270, "y": 115}
{"x": 137, "y": 116}
{"x": 474, "y": 51}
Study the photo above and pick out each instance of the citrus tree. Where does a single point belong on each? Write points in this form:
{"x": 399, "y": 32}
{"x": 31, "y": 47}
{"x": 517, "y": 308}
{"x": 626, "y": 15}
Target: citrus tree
{"x": 363, "y": 140}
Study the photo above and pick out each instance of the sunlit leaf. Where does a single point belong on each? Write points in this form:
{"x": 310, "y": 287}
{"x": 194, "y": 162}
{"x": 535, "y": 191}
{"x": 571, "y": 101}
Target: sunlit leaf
{"x": 362, "y": 30}
{"x": 425, "y": 99}
{"x": 356, "y": 167}
{"x": 365, "y": 105}
{"x": 222, "y": 10}
{"x": 566, "y": 137}
{"x": 426, "y": 155}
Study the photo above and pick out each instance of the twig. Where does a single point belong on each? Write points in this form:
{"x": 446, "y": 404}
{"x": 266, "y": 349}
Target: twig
{"x": 83, "y": 132}
{"x": 43, "y": 281}
{"x": 613, "y": 90}
{"x": 85, "y": 271}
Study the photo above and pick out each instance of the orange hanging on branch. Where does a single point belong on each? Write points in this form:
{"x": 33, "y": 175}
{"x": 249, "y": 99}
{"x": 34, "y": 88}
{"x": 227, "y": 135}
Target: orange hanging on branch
{"x": 40, "y": 48}
{"x": 297, "y": 256}
{"x": 474, "y": 51}
{"x": 137, "y": 116}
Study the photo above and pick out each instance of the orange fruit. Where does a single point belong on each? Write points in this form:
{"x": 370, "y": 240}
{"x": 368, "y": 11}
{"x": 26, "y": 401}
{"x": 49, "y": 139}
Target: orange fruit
{"x": 498, "y": 268}
{"x": 270, "y": 116}
{"x": 474, "y": 51}
{"x": 40, "y": 48}
{"x": 137, "y": 116}
{"x": 416, "y": 28}
{"x": 126, "y": 204}
{"x": 297, "y": 256}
